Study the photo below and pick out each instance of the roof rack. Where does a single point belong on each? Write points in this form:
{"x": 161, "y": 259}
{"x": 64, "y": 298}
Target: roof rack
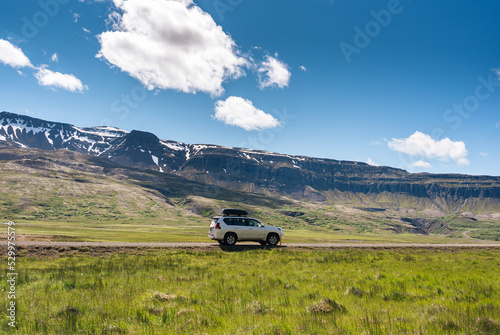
{"x": 234, "y": 212}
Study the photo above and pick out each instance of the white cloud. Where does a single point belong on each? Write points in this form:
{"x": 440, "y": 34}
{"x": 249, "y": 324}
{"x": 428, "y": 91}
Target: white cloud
{"x": 463, "y": 162}
{"x": 420, "y": 144}
{"x": 273, "y": 73}
{"x": 421, "y": 164}
{"x": 12, "y": 55}
{"x": 170, "y": 44}
{"x": 242, "y": 113}
{"x": 372, "y": 163}
{"x": 303, "y": 68}
{"x": 76, "y": 16}
{"x": 484, "y": 154}
{"x": 86, "y": 30}
{"x": 497, "y": 125}
{"x": 68, "y": 82}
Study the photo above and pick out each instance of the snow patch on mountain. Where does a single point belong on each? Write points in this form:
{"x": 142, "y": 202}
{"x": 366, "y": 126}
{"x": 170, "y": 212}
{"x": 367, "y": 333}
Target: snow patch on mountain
{"x": 47, "y": 135}
{"x": 105, "y": 131}
{"x": 199, "y": 147}
{"x": 172, "y": 145}
{"x": 20, "y": 127}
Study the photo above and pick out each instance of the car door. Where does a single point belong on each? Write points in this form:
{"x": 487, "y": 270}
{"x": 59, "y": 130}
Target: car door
{"x": 238, "y": 226}
{"x": 256, "y": 230}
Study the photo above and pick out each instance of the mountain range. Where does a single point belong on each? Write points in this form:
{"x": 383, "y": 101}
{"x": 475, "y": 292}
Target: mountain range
{"x": 256, "y": 171}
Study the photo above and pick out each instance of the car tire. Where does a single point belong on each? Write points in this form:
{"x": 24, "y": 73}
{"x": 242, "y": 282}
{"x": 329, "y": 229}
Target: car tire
{"x": 262, "y": 242}
{"x": 273, "y": 239}
{"x": 221, "y": 242}
{"x": 230, "y": 239}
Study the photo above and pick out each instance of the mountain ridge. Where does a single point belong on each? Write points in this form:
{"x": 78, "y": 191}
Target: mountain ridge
{"x": 258, "y": 171}
{"x": 53, "y": 129}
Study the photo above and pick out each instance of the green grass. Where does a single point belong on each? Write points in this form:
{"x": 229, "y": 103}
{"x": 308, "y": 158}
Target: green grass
{"x": 259, "y": 292}
{"x": 195, "y": 230}
{"x": 121, "y": 231}
{"x": 487, "y": 234}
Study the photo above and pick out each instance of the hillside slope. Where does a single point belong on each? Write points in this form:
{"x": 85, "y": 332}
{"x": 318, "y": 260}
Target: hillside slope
{"x": 299, "y": 177}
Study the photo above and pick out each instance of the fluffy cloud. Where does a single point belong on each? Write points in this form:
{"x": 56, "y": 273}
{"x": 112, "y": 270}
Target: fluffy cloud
{"x": 242, "y": 113}
{"x": 12, "y": 55}
{"x": 171, "y": 44}
{"x": 273, "y": 73}
{"x": 421, "y": 164}
{"x": 54, "y": 58}
{"x": 420, "y": 144}
{"x": 303, "y": 68}
{"x": 68, "y": 82}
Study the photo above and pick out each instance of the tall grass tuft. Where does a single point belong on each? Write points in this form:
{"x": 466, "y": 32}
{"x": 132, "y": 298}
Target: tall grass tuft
{"x": 259, "y": 292}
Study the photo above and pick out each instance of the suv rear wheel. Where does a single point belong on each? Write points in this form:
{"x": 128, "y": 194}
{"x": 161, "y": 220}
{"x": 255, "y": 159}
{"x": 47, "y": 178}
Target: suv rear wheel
{"x": 273, "y": 239}
{"x": 230, "y": 239}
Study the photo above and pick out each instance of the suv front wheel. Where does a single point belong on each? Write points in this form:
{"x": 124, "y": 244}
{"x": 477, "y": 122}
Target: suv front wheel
{"x": 230, "y": 239}
{"x": 273, "y": 239}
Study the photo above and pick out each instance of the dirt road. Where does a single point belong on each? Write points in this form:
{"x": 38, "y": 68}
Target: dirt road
{"x": 208, "y": 246}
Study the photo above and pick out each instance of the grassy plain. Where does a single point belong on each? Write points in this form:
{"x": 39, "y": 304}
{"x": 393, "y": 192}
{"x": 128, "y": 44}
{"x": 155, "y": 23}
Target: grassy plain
{"x": 196, "y": 231}
{"x": 264, "y": 291}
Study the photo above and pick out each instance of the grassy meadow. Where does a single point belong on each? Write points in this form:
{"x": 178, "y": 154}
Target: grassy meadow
{"x": 262, "y": 291}
{"x": 197, "y": 230}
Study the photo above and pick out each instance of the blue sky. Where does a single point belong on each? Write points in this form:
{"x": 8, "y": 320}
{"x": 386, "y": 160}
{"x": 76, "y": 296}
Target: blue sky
{"x": 410, "y": 84}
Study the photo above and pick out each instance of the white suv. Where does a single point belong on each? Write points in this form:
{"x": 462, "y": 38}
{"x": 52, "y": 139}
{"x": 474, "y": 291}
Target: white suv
{"x": 234, "y": 225}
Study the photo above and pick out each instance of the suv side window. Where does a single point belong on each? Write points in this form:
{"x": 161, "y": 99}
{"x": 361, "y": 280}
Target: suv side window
{"x": 234, "y": 221}
{"x": 229, "y": 221}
